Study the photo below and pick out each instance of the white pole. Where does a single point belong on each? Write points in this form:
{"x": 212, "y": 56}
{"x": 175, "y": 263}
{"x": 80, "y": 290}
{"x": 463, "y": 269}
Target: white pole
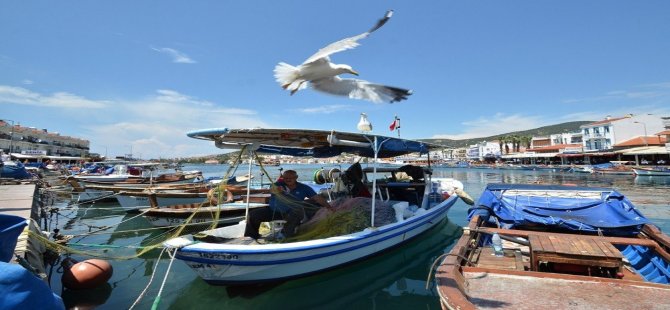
{"x": 251, "y": 160}
{"x": 374, "y": 182}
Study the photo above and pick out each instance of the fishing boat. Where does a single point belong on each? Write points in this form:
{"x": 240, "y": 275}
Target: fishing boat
{"x": 614, "y": 167}
{"x": 198, "y": 214}
{"x": 94, "y": 191}
{"x": 539, "y": 246}
{"x": 582, "y": 169}
{"x": 158, "y": 197}
{"x": 657, "y": 171}
{"x": 408, "y": 202}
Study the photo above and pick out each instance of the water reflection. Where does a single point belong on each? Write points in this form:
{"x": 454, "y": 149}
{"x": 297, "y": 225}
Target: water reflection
{"x": 369, "y": 284}
{"x": 393, "y": 280}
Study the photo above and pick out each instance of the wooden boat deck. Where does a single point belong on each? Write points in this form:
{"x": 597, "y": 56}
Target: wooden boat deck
{"x": 489, "y": 290}
{"x": 549, "y": 271}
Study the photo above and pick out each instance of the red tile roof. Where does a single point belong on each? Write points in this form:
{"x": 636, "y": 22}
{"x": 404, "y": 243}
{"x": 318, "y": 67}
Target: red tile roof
{"x": 642, "y": 140}
{"x": 664, "y": 132}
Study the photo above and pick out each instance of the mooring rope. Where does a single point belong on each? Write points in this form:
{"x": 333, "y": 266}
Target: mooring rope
{"x": 151, "y": 279}
{"x": 173, "y": 255}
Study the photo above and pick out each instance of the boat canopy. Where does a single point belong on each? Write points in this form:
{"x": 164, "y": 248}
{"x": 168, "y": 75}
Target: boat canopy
{"x": 313, "y": 143}
{"x": 559, "y": 207}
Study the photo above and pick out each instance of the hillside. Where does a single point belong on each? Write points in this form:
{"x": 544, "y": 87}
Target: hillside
{"x": 541, "y": 131}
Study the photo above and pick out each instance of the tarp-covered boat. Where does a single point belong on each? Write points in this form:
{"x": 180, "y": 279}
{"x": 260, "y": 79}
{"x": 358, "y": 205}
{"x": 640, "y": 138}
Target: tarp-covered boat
{"x": 565, "y": 247}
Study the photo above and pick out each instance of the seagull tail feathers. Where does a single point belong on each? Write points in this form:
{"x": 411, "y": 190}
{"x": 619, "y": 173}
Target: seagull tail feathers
{"x": 289, "y": 77}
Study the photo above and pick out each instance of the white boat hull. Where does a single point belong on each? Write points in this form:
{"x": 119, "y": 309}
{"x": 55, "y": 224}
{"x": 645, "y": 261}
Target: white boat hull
{"x": 133, "y": 203}
{"x": 93, "y": 196}
{"x": 645, "y": 172}
{"x": 172, "y": 221}
{"x": 222, "y": 264}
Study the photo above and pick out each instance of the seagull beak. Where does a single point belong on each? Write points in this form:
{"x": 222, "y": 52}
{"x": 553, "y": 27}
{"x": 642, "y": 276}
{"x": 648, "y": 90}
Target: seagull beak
{"x": 353, "y": 72}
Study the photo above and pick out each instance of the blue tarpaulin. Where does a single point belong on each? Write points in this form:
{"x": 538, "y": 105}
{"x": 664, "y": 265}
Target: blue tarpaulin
{"x": 559, "y": 207}
{"x": 10, "y": 228}
{"x": 20, "y": 289}
{"x": 14, "y": 170}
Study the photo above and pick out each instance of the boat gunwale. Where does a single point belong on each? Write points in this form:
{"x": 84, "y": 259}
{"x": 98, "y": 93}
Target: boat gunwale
{"x": 450, "y": 274}
{"x": 436, "y": 211}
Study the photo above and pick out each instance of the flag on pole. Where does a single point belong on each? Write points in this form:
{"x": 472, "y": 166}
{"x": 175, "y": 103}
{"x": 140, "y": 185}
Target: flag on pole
{"x": 396, "y": 124}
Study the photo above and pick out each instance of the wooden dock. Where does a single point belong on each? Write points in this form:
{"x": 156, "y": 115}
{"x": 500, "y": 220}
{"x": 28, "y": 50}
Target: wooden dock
{"x": 23, "y": 200}
{"x": 19, "y": 200}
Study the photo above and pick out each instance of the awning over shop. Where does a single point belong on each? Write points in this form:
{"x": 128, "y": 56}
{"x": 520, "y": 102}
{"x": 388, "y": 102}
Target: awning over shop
{"x": 530, "y": 155}
{"x": 644, "y": 150}
{"x": 52, "y": 157}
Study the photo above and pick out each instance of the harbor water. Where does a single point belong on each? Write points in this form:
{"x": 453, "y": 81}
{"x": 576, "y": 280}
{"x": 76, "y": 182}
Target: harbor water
{"x": 396, "y": 279}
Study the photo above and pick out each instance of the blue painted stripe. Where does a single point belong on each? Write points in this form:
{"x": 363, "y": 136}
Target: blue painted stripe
{"x": 188, "y": 249}
{"x": 320, "y": 255}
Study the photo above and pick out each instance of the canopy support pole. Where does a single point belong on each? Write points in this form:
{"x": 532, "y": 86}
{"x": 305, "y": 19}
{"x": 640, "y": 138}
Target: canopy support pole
{"x": 375, "y": 149}
{"x": 251, "y": 161}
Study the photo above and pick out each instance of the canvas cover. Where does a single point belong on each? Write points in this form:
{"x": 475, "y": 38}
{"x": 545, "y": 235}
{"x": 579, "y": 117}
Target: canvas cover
{"x": 559, "y": 207}
{"x": 312, "y": 143}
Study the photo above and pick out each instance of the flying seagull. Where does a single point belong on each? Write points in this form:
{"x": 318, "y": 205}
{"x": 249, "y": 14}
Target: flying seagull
{"x": 323, "y": 74}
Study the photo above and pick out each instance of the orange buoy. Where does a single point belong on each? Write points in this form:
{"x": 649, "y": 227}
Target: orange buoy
{"x": 87, "y": 274}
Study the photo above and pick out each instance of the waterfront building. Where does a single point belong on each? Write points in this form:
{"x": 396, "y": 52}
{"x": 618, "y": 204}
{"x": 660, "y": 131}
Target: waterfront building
{"x": 484, "y": 151}
{"x": 603, "y": 135}
{"x": 17, "y": 139}
{"x": 566, "y": 138}
{"x": 540, "y": 141}
{"x": 666, "y": 132}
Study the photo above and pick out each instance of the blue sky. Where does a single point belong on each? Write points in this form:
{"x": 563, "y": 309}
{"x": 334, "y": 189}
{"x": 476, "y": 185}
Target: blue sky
{"x": 140, "y": 74}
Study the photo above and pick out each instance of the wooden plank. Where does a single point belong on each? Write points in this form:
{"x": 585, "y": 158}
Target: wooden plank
{"x": 609, "y": 249}
{"x": 582, "y": 248}
{"x": 546, "y": 244}
{"x": 592, "y": 246}
{"x": 526, "y": 233}
{"x": 605, "y": 248}
{"x": 535, "y": 243}
{"x": 519, "y": 261}
{"x": 559, "y": 245}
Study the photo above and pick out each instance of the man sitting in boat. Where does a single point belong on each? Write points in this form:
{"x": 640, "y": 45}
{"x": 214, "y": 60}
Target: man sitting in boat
{"x": 287, "y": 202}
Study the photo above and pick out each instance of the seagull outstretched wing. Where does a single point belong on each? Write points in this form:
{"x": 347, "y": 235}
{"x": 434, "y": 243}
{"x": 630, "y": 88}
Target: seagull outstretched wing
{"x": 360, "y": 89}
{"x": 348, "y": 43}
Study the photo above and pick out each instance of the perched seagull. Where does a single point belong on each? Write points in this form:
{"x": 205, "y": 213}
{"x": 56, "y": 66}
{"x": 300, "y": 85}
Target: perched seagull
{"x": 364, "y": 124}
{"x": 323, "y": 74}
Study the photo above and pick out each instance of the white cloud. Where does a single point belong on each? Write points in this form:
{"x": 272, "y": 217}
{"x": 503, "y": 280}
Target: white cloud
{"x": 156, "y": 126}
{"x": 327, "y": 109}
{"x": 501, "y": 123}
{"x": 177, "y": 56}
{"x": 641, "y": 92}
{"x": 27, "y": 82}
{"x": 20, "y": 95}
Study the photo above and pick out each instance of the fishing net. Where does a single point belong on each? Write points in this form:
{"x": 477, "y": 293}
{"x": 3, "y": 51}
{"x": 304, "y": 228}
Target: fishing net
{"x": 350, "y": 215}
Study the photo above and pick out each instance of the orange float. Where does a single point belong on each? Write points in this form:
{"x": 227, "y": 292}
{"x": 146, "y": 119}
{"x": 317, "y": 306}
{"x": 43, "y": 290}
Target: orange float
{"x": 85, "y": 275}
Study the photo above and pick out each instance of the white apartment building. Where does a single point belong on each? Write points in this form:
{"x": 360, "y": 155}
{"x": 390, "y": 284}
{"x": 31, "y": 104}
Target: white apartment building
{"x": 483, "y": 150}
{"x": 566, "y": 138}
{"x": 602, "y": 135}
{"x": 33, "y": 141}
